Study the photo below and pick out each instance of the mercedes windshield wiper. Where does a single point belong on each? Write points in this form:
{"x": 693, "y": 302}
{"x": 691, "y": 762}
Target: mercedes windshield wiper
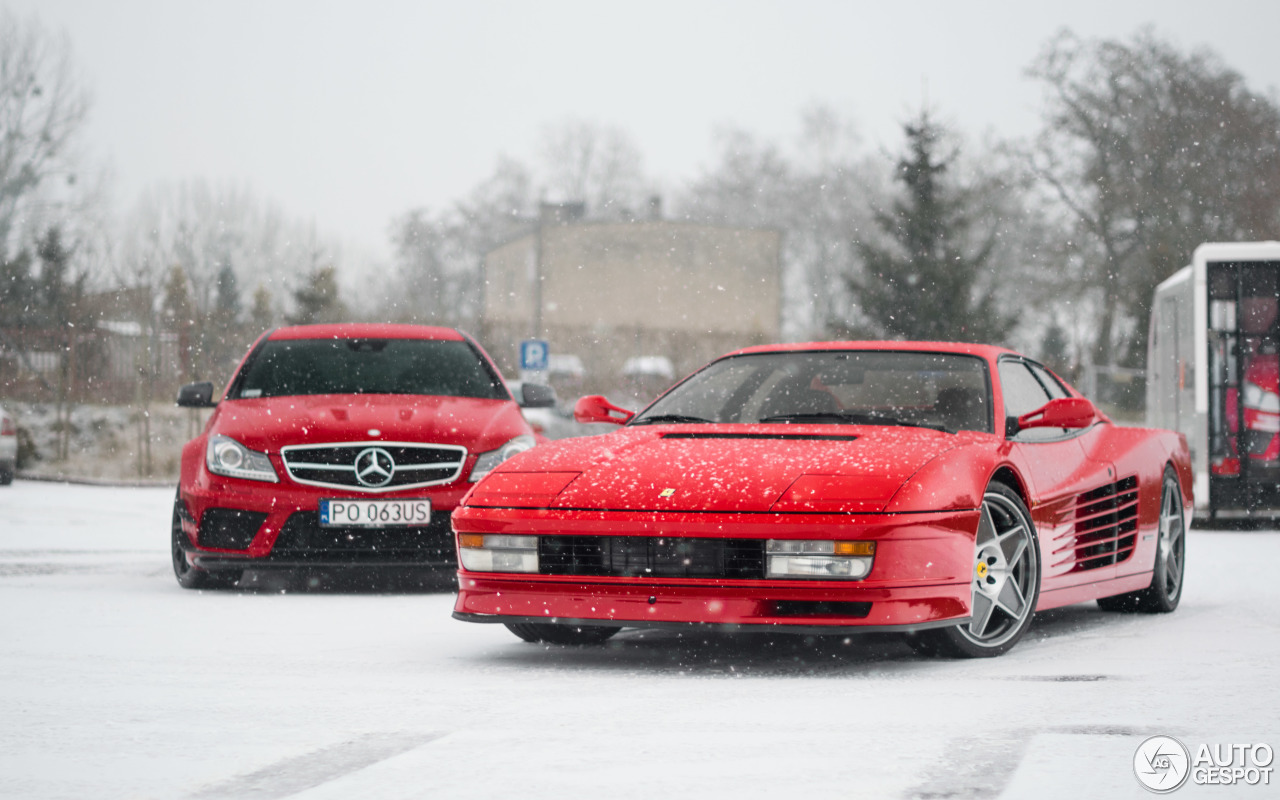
{"x": 836, "y": 418}
{"x": 658, "y": 419}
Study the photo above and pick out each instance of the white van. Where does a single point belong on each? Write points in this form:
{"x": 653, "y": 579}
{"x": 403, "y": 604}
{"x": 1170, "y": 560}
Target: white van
{"x": 1213, "y": 373}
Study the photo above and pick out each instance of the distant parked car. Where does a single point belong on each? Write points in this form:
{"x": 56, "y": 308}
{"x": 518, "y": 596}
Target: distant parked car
{"x": 8, "y": 447}
{"x": 341, "y": 445}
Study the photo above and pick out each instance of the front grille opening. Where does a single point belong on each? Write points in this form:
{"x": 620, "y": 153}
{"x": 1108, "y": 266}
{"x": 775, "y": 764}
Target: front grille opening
{"x": 1106, "y": 525}
{"x": 229, "y": 528}
{"x": 651, "y": 556}
{"x": 817, "y": 608}
{"x": 303, "y": 538}
{"x": 335, "y": 465}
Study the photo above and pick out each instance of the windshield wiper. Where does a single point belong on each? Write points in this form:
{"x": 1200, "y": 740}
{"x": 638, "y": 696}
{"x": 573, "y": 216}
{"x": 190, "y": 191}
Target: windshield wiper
{"x": 828, "y": 417}
{"x": 836, "y": 418}
{"x": 661, "y": 418}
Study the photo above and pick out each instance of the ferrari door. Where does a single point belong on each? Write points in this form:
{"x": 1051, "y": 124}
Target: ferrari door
{"x": 1072, "y": 495}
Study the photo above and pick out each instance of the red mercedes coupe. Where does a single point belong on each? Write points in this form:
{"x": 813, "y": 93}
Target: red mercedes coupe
{"x": 341, "y": 445}
{"x": 944, "y": 491}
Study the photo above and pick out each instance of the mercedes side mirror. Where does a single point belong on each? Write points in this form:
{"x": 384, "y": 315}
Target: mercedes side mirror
{"x": 535, "y": 395}
{"x": 196, "y": 395}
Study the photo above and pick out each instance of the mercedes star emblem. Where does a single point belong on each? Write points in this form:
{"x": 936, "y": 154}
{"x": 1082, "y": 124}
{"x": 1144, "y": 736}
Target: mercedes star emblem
{"x": 375, "y": 466}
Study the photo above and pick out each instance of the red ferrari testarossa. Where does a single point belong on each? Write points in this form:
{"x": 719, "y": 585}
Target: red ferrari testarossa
{"x": 945, "y": 491}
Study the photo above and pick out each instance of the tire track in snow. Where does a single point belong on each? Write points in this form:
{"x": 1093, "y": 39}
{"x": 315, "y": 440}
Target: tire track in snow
{"x": 297, "y": 774}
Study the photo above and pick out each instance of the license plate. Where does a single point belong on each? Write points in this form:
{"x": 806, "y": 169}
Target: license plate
{"x": 374, "y": 513}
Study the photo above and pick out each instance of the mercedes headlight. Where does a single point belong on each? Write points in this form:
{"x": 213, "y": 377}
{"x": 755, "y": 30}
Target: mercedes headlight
{"x": 485, "y": 462}
{"x": 226, "y": 456}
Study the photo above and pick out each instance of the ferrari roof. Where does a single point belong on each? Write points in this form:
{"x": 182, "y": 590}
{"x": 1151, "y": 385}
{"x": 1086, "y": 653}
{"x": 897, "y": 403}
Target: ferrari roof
{"x": 984, "y": 350}
{"x": 364, "y": 330}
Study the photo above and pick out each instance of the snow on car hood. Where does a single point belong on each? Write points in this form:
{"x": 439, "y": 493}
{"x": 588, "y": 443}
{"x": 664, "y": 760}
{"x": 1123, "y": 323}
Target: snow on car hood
{"x": 268, "y": 424}
{"x": 731, "y": 468}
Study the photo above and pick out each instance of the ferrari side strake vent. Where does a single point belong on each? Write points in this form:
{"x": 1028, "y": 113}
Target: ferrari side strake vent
{"x": 651, "y": 556}
{"x": 1106, "y": 525}
{"x": 802, "y": 437}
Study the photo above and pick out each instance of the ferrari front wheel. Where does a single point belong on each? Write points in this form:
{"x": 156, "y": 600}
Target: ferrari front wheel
{"x": 1005, "y": 583}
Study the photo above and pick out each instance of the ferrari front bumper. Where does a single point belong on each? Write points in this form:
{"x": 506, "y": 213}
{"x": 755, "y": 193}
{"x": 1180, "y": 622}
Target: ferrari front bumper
{"x": 764, "y": 606}
{"x": 921, "y": 576}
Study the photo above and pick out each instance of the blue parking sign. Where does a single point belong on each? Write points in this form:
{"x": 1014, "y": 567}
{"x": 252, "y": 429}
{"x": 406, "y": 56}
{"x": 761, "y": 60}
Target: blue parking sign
{"x": 533, "y": 355}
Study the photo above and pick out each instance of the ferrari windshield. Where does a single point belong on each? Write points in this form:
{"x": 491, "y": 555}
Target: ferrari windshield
{"x": 939, "y": 390}
{"x": 366, "y": 366}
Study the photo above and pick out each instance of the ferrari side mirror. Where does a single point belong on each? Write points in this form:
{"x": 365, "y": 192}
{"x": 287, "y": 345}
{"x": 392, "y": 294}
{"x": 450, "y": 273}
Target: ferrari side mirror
{"x": 1061, "y": 412}
{"x": 595, "y": 408}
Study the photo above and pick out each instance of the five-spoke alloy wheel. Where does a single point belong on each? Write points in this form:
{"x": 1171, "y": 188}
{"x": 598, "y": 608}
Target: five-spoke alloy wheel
{"x": 1005, "y": 582}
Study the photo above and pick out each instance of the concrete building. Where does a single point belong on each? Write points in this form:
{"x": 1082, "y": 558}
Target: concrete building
{"x": 612, "y": 291}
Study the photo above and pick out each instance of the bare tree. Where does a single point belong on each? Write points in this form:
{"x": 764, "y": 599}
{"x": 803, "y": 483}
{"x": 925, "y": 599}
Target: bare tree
{"x": 593, "y": 163}
{"x": 439, "y": 254}
{"x": 222, "y": 237}
{"x": 1151, "y": 151}
{"x": 42, "y": 110}
{"x": 817, "y": 196}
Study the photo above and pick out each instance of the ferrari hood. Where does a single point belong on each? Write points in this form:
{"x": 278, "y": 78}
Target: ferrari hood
{"x": 271, "y": 423}
{"x": 723, "y": 468}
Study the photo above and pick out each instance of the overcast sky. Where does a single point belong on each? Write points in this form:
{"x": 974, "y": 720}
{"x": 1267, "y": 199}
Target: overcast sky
{"x": 348, "y": 113}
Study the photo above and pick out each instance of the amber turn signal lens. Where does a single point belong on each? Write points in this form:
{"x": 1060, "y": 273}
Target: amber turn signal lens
{"x": 855, "y": 549}
{"x": 471, "y": 540}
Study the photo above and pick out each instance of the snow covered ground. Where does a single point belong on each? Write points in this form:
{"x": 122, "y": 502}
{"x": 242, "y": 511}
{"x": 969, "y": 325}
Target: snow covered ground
{"x": 116, "y": 683}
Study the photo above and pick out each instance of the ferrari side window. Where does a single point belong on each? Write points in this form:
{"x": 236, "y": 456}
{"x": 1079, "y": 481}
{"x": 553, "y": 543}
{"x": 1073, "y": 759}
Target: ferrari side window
{"x": 1048, "y": 380}
{"x": 1022, "y": 395}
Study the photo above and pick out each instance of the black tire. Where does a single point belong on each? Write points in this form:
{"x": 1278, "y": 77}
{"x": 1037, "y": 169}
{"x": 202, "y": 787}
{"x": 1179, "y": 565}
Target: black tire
{"x": 1006, "y": 583}
{"x": 6, "y": 476}
{"x": 552, "y": 633}
{"x": 190, "y": 577}
{"x": 1165, "y": 591}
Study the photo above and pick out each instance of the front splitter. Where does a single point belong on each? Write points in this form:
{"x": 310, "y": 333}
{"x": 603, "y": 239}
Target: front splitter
{"x": 720, "y": 627}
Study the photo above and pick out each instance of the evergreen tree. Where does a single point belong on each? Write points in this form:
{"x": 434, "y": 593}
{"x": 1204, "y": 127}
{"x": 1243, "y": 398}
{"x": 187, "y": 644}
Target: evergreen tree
{"x": 59, "y": 293}
{"x": 317, "y": 299}
{"x": 226, "y": 302}
{"x": 177, "y": 305}
{"x": 1054, "y": 352}
{"x": 60, "y": 297}
{"x": 926, "y": 286}
{"x": 18, "y": 298}
{"x": 221, "y": 339}
{"x": 179, "y": 314}
{"x": 262, "y": 315}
